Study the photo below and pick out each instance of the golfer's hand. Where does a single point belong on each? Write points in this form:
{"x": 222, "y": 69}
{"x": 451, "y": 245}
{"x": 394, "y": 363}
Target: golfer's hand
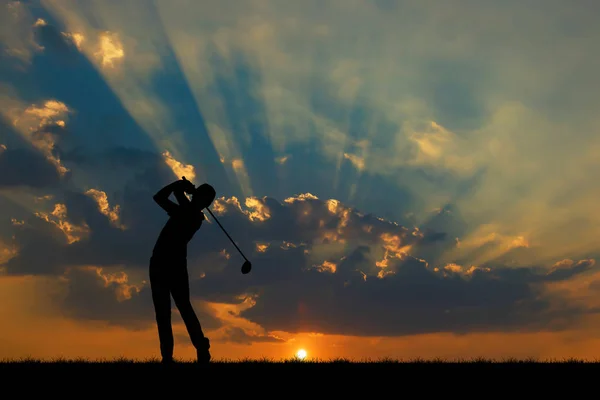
{"x": 187, "y": 186}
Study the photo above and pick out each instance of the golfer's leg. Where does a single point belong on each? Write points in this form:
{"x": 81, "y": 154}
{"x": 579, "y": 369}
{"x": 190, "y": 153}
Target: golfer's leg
{"x": 159, "y": 284}
{"x": 180, "y": 290}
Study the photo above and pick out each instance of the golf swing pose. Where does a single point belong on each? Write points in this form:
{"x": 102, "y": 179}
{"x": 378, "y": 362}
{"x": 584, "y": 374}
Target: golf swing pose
{"x": 168, "y": 264}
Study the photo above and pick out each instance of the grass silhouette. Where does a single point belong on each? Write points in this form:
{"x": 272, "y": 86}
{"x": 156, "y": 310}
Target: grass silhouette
{"x": 338, "y": 378}
{"x": 29, "y": 361}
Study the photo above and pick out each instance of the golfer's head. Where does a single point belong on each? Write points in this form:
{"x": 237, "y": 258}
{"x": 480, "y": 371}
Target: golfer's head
{"x": 203, "y": 196}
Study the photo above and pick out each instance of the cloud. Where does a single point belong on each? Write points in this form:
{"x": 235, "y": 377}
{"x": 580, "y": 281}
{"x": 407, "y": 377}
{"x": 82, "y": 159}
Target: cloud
{"x": 110, "y": 49}
{"x": 239, "y": 336}
{"x": 112, "y": 213}
{"x": 7, "y": 251}
{"x": 318, "y": 265}
{"x": 281, "y": 160}
{"x": 53, "y": 42}
{"x": 351, "y": 274}
{"x": 90, "y": 293}
{"x": 41, "y": 125}
{"x": 565, "y": 269}
{"x": 414, "y": 299}
{"x": 58, "y": 217}
{"x": 27, "y": 167}
{"x": 95, "y": 294}
{"x": 179, "y": 169}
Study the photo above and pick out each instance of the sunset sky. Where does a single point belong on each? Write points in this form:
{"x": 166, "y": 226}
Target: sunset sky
{"x": 410, "y": 178}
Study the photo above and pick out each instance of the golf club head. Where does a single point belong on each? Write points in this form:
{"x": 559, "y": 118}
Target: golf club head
{"x": 246, "y": 267}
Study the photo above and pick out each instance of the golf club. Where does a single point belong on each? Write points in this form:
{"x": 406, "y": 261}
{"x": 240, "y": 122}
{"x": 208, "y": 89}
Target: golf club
{"x": 247, "y": 266}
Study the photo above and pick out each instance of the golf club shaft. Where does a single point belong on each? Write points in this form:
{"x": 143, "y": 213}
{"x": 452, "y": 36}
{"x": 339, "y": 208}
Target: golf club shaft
{"x": 223, "y": 229}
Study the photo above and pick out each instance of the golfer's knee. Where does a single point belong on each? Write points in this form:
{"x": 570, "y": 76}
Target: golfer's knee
{"x": 163, "y": 315}
{"x": 185, "y": 307}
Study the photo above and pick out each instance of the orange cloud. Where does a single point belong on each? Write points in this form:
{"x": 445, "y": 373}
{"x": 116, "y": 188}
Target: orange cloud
{"x": 301, "y": 197}
{"x": 262, "y": 247}
{"x": 58, "y": 217}
{"x": 282, "y": 160}
{"x": 36, "y": 123}
{"x": 225, "y": 254}
{"x": 288, "y": 245}
{"x": 260, "y": 212}
{"x": 256, "y": 209}
{"x": 124, "y": 290}
{"x": 392, "y": 245}
{"x": 40, "y": 22}
{"x": 179, "y": 169}
{"x": 76, "y": 38}
{"x": 357, "y": 161}
{"x": 327, "y": 266}
{"x": 16, "y": 222}
{"x": 110, "y": 49}
{"x": 112, "y": 213}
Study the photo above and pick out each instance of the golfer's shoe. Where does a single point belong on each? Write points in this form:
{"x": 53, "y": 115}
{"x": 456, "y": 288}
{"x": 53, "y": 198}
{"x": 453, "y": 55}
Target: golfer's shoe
{"x": 203, "y": 355}
{"x": 167, "y": 361}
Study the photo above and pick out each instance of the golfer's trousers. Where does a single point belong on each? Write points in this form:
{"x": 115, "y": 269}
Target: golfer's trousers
{"x": 169, "y": 277}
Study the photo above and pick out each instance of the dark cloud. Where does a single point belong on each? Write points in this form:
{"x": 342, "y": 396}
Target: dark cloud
{"x": 408, "y": 292}
{"x": 94, "y": 294}
{"x": 131, "y": 247}
{"x": 90, "y": 297}
{"x": 26, "y": 167}
{"x": 567, "y": 269}
{"x": 415, "y": 299}
{"x": 144, "y": 219}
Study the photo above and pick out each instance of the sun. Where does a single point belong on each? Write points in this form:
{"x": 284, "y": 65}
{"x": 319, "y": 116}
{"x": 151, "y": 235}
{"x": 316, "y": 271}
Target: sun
{"x": 301, "y": 354}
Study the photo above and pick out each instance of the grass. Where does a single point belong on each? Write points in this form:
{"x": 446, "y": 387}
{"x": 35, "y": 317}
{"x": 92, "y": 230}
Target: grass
{"x": 217, "y": 365}
{"x": 29, "y": 361}
{"x": 321, "y": 378}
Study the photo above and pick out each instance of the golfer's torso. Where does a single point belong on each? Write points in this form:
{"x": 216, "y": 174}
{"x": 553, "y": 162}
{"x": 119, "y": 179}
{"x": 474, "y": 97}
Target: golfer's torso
{"x": 177, "y": 232}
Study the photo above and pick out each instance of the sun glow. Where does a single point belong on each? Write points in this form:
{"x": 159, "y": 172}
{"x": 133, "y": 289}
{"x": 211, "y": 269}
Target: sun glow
{"x": 301, "y": 354}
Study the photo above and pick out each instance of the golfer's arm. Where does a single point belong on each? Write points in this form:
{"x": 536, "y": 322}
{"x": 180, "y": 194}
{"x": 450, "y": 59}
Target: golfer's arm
{"x": 162, "y": 197}
{"x": 181, "y": 197}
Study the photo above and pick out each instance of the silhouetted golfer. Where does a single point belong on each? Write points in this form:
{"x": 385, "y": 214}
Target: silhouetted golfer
{"x": 168, "y": 264}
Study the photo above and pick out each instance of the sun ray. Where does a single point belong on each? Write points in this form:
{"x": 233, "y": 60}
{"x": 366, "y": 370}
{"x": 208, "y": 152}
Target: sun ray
{"x": 523, "y": 190}
{"x": 192, "y": 49}
{"x": 111, "y": 41}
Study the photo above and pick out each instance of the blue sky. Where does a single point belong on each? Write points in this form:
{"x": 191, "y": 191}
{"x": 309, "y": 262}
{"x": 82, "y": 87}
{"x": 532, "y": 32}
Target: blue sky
{"x": 419, "y": 167}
